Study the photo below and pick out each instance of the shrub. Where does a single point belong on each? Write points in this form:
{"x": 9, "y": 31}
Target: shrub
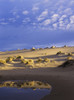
{"x": 65, "y": 45}
{"x": 32, "y": 83}
{"x": 53, "y": 61}
{"x": 59, "y": 52}
{"x": 45, "y": 53}
{"x": 40, "y": 48}
{"x": 46, "y": 60}
{"x": 70, "y": 54}
{"x": 2, "y": 61}
{"x": 46, "y": 48}
{"x": 53, "y": 47}
{"x": 69, "y": 58}
{"x": 9, "y": 59}
{"x": 33, "y": 49}
{"x": 26, "y": 61}
{"x": 19, "y": 57}
{"x": 31, "y": 61}
{"x": 39, "y": 83}
{"x": 39, "y": 60}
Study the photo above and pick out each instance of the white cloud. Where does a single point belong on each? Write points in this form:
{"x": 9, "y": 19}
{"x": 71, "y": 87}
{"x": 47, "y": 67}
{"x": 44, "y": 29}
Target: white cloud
{"x": 46, "y": 22}
{"x": 62, "y": 17}
{"x": 2, "y": 19}
{"x": 46, "y": 1}
{"x": 72, "y": 3}
{"x": 62, "y": 25}
{"x": 55, "y": 25}
{"x": 3, "y": 23}
{"x": 68, "y": 11}
{"x": 12, "y": 19}
{"x": 26, "y": 20}
{"x": 72, "y": 19}
{"x": 70, "y": 26}
{"x": 43, "y": 15}
{"x": 35, "y": 8}
{"x": 25, "y": 12}
{"x": 55, "y": 17}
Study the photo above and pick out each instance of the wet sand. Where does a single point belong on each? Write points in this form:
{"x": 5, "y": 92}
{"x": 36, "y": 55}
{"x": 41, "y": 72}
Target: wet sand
{"x": 61, "y": 80}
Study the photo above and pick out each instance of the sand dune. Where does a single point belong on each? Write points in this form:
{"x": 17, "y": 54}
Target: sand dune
{"x": 59, "y": 74}
{"x": 50, "y": 53}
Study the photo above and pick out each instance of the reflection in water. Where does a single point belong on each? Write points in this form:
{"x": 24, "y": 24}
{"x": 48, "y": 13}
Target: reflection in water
{"x": 23, "y": 90}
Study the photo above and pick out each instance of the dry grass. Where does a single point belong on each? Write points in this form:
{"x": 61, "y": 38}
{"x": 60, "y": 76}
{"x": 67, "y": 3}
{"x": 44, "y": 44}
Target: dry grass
{"x": 46, "y": 60}
{"x": 70, "y": 54}
{"x": 2, "y": 61}
{"x": 69, "y": 58}
{"x": 39, "y": 60}
{"x": 9, "y": 59}
{"x": 33, "y": 49}
{"x": 53, "y": 47}
{"x": 52, "y": 61}
{"x": 60, "y": 52}
{"x": 27, "y": 61}
{"x": 19, "y": 58}
{"x": 65, "y": 46}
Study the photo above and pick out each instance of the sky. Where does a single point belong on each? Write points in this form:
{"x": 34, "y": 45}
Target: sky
{"x": 36, "y": 23}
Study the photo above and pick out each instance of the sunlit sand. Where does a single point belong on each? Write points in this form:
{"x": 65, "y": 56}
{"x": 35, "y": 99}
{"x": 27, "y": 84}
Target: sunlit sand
{"x": 53, "y": 65}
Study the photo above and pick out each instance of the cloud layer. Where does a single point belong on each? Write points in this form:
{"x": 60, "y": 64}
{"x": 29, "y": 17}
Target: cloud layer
{"x": 45, "y": 14}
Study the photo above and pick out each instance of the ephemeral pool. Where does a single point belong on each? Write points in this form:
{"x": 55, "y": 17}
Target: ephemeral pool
{"x": 24, "y": 90}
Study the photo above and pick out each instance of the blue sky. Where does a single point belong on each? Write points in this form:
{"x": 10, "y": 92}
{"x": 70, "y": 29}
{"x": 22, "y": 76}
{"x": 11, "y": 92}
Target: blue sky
{"x": 38, "y": 23}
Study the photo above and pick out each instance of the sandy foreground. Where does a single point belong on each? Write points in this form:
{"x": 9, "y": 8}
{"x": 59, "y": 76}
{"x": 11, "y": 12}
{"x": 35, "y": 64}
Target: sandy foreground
{"x": 61, "y": 79}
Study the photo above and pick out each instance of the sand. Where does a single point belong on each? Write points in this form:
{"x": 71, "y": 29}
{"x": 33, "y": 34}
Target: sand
{"x": 61, "y": 79}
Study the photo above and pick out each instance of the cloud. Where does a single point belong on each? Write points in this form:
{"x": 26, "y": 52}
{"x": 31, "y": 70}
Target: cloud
{"x": 35, "y": 8}
{"x": 55, "y": 17}
{"x": 26, "y": 20}
{"x": 12, "y": 19}
{"x": 63, "y": 17}
{"x": 46, "y": 1}
{"x": 43, "y": 15}
{"x": 25, "y": 12}
{"x": 3, "y": 23}
{"x": 70, "y": 26}
{"x": 46, "y": 22}
{"x": 2, "y": 19}
{"x": 68, "y": 11}
{"x": 72, "y": 19}
{"x": 55, "y": 25}
{"x": 46, "y": 13}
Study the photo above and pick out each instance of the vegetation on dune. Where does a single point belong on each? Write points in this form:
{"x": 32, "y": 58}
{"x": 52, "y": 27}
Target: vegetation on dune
{"x": 70, "y": 54}
{"x": 65, "y": 46}
{"x": 39, "y": 60}
{"x": 60, "y": 52}
{"x": 40, "y": 48}
{"x": 33, "y": 49}
{"x": 25, "y": 84}
{"x": 53, "y": 61}
{"x": 10, "y": 59}
{"x": 53, "y": 47}
{"x": 2, "y": 61}
{"x": 27, "y": 61}
{"x": 69, "y": 58}
{"x": 19, "y": 57}
{"x": 46, "y": 60}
